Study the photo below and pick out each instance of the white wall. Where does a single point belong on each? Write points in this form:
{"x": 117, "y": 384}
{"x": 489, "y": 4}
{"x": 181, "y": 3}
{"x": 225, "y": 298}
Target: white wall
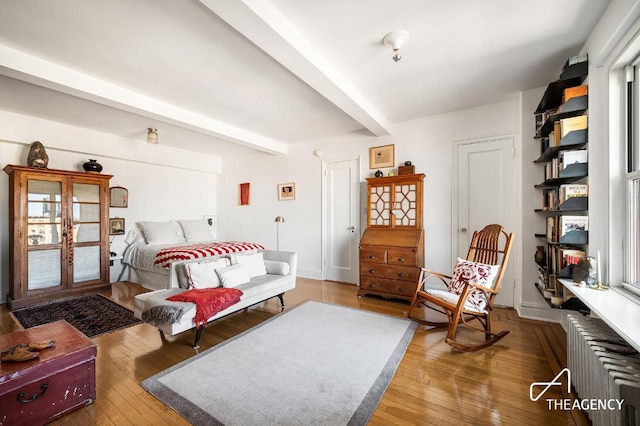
{"x": 164, "y": 183}
{"x": 427, "y": 142}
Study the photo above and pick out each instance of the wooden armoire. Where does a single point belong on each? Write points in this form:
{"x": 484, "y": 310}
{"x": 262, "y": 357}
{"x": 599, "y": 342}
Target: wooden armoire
{"x": 392, "y": 246}
{"x": 58, "y": 234}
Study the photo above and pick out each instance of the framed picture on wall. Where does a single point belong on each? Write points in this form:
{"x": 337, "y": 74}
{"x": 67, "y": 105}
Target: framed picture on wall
{"x": 211, "y": 221}
{"x": 381, "y": 156}
{"x": 116, "y": 226}
{"x": 244, "y": 194}
{"x": 286, "y": 191}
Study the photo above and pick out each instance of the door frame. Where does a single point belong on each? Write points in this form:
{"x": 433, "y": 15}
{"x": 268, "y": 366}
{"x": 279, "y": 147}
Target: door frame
{"x": 516, "y": 253}
{"x": 323, "y": 206}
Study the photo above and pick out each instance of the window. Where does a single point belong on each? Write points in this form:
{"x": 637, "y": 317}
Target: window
{"x": 632, "y": 176}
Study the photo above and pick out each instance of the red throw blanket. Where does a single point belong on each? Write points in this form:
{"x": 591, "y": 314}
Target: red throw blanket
{"x": 209, "y": 301}
{"x": 195, "y": 251}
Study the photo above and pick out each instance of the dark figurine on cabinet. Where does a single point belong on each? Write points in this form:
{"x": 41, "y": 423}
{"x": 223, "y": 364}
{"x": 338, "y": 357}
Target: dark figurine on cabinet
{"x": 37, "y": 156}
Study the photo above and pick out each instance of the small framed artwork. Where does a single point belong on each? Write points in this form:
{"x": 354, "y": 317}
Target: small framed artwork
{"x": 244, "y": 194}
{"x": 116, "y": 226}
{"x": 211, "y": 221}
{"x": 381, "y": 156}
{"x": 286, "y": 191}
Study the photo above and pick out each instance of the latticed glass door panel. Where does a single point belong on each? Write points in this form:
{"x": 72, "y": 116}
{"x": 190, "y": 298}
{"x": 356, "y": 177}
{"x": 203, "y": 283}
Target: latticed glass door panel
{"x": 405, "y": 205}
{"x": 380, "y": 205}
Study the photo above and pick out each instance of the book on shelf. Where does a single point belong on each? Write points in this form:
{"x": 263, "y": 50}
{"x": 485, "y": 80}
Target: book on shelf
{"x": 539, "y": 121}
{"x": 570, "y": 190}
{"x": 574, "y": 92}
{"x": 548, "y": 113}
{"x": 573, "y": 123}
{"x": 552, "y": 226}
{"x": 555, "y": 136}
{"x": 552, "y": 169}
{"x": 573, "y": 157}
{"x": 544, "y": 145}
{"x": 550, "y": 200}
{"x": 576, "y": 59}
{"x": 570, "y": 256}
{"x": 573, "y": 223}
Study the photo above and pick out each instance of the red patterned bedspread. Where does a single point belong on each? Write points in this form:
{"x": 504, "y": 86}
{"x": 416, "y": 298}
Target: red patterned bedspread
{"x": 195, "y": 251}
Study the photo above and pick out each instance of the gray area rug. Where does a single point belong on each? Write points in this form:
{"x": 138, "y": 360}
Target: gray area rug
{"x": 314, "y": 364}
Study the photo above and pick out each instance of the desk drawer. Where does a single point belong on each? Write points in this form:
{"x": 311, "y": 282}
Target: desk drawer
{"x": 381, "y": 285}
{"x": 44, "y": 400}
{"x": 403, "y": 257}
{"x": 373, "y": 255}
{"x": 404, "y": 273}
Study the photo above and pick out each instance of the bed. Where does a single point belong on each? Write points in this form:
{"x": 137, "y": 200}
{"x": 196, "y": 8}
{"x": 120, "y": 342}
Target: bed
{"x": 153, "y": 246}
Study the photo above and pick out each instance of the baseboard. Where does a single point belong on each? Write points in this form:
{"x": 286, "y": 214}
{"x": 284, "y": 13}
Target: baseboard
{"x": 541, "y": 312}
{"x": 314, "y": 274}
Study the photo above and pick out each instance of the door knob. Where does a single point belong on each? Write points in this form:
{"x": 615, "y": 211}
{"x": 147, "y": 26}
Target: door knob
{"x": 463, "y": 230}
{"x": 351, "y": 228}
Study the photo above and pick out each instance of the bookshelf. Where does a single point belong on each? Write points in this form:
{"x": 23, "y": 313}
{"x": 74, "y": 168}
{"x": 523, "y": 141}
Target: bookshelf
{"x": 561, "y": 121}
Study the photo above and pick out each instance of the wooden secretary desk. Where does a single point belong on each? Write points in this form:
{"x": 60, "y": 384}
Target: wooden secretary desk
{"x": 392, "y": 246}
{"x": 58, "y": 234}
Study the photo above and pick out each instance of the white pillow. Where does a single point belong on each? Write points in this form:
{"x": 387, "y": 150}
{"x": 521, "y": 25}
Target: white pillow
{"x": 160, "y": 233}
{"x": 253, "y": 262}
{"x": 196, "y": 230}
{"x": 233, "y": 276}
{"x": 203, "y": 274}
{"x": 276, "y": 267}
{"x": 134, "y": 236}
{"x": 242, "y": 253}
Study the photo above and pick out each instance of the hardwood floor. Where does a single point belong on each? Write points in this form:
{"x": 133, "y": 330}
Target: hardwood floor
{"x": 434, "y": 383}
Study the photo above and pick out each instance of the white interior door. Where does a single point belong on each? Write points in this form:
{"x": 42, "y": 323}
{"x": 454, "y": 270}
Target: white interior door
{"x": 485, "y": 195}
{"x": 341, "y": 220}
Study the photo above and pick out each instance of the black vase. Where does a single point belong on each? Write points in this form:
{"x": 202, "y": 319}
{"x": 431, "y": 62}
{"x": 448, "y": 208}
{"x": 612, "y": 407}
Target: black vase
{"x": 378, "y": 174}
{"x": 92, "y": 166}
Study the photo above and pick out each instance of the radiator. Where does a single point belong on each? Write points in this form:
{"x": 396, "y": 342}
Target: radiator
{"x": 603, "y": 367}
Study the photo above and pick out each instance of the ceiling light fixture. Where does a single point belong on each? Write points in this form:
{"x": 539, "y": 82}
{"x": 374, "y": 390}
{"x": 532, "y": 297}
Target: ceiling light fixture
{"x": 395, "y": 40}
{"x": 152, "y": 135}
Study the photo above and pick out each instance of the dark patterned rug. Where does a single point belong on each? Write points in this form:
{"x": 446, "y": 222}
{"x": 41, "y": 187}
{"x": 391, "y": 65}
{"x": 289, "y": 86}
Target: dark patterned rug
{"x": 92, "y": 315}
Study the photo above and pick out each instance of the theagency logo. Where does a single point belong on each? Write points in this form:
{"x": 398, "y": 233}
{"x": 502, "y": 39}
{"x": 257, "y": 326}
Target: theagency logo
{"x": 566, "y": 404}
{"x": 554, "y": 382}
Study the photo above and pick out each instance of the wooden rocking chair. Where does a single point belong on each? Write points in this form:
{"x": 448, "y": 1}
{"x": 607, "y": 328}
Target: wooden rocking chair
{"x": 471, "y": 289}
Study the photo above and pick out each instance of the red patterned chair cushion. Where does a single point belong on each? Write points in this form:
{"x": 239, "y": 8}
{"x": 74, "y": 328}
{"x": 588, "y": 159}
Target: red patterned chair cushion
{"x": 474, "y": 272}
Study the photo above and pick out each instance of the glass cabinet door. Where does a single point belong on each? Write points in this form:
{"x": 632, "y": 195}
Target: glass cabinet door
{"x": 405, "y": 205}
{"x": 44, "y": 234}
{"x": 379, "y": 205}
{"x": 86, "y": 231}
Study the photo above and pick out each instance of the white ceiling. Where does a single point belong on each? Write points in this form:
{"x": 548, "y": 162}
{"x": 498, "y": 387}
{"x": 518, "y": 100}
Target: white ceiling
{"x": 215, "y": 75}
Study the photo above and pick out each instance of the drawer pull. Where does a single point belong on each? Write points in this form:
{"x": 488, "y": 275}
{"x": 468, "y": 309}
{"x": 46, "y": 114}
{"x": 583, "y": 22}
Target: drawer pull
{"x": 372, "y": 285}
{"x": 34, "y": 396}
{"x": 372, "y": 271}
{"x": 401, "y": 275}
{"x": 401, "y": 259}
{"x": 372, "y": 256}
{"x": 401, "y": 289}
